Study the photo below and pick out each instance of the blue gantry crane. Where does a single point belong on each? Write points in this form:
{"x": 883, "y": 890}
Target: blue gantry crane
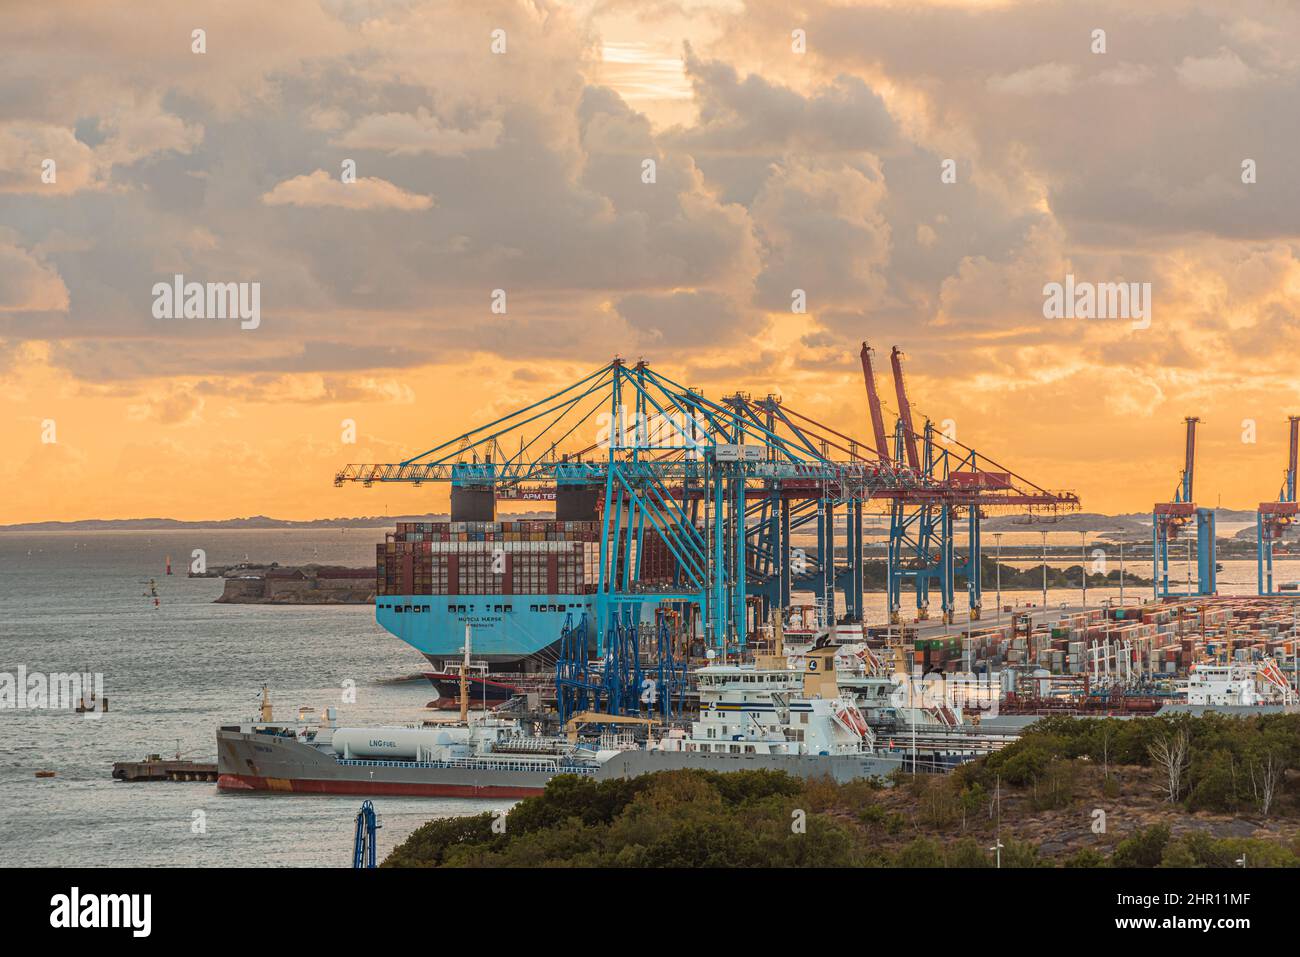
{"x": 1168, "y": 519}
{"x": 667, "y": 462}
{"x": 719, "y": 487}
{"x": 1274, "y": 518}
{"x": 363, "y": 844}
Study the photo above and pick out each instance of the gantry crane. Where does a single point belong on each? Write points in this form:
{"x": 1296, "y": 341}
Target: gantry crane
{"x": 1169, "y": 518}
{"x": 667, "y": 462}
{"x": 364, "y": 838}
{"x": 1274, "y": 518}
{"x": 722, "y": 485}
{"x": 955, "y": 480}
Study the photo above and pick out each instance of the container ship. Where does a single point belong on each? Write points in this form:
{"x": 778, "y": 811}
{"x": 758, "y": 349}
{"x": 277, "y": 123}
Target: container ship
{"x": 514, "y": 581}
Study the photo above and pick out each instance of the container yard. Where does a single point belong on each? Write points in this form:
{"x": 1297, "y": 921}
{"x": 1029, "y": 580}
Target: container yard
{"x": 1151, "y": 639}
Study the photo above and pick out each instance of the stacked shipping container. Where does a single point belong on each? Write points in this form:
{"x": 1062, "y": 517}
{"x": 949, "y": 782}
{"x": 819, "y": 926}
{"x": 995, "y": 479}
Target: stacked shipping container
{"x": 1161, "y": 639}
{"x": 502, "y": 558}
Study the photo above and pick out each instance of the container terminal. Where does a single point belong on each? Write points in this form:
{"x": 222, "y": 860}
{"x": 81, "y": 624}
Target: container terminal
{"x": 661, "y": 599}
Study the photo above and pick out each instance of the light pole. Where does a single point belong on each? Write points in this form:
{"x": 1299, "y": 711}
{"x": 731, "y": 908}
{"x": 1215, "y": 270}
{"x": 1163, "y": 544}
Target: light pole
{"x": 1044, "y": 534}
{"x": 1083, "y": 565}
{"x": 997, "y": 804}
{"x": 998, "y": 849}
{"x": 997, "y": 538}
{"x": 1121, "y": 569}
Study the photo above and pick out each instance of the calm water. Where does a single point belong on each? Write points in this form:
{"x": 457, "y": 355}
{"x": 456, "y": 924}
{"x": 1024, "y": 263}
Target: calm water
{"x": 76, "y": 602}
{"x": 172, "y": 674}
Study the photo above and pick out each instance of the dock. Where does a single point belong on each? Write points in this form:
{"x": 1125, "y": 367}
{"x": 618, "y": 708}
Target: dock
{"x": 154, "y": 768}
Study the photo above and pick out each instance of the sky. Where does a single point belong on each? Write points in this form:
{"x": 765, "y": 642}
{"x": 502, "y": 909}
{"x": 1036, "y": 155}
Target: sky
{"x": 922, "y": 171}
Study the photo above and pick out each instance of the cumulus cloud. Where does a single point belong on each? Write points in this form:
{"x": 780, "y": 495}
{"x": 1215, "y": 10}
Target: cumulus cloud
{"x": 684, "y": 319}
{"x": 419, "y": 132}
{"x": 322, "y": 189}
{"x": 819, "y": 172}
{"x": 1051, "y": 78}
{"x": 1222, "y": 71}
{"x": 27, "y": 284}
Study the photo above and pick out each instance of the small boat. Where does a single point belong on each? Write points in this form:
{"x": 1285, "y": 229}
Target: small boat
{"x": 45, "y": 774}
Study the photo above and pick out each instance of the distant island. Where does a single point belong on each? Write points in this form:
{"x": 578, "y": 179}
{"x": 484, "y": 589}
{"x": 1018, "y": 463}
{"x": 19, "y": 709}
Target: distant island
{"x": 252, "y": 522}
{"x": 249, "y": 583}
{"x": 1128, "y": 523}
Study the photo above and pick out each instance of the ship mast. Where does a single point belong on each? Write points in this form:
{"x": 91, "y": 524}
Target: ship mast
{"x": 464, "y": 679}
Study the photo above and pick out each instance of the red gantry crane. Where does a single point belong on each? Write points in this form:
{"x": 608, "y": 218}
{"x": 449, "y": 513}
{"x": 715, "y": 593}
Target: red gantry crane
{"x": 1274, "y": 518}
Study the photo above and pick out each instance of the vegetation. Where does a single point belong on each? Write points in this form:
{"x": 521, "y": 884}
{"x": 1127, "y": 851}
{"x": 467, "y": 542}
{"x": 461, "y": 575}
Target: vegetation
{"x": 1157, "y": 792}
{"x": 1019, "y": 579}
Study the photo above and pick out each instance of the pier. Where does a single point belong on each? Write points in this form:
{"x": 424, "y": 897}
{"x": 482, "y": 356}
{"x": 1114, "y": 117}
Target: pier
{"x": 155, "y": 768}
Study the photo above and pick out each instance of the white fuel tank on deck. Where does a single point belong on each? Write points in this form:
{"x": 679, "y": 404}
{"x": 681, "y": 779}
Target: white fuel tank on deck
{"x": 394, "y": 744}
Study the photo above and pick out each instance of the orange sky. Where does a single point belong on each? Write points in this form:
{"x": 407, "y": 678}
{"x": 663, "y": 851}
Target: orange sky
{"x": 523, "y": 170}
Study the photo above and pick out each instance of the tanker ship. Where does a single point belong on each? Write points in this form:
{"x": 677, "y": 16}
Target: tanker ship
{"x": 765, "y": 715}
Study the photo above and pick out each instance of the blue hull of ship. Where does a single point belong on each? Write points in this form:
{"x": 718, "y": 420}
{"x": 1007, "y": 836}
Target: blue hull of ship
{"x": 507, "y": 628}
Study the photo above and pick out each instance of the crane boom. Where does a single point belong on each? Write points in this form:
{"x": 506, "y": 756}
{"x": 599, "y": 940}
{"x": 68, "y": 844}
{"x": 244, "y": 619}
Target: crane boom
{"x": 873, "y": 401}
{"x": 904, "y": 410}
{"x": 1189, "y": 464}
{"x": 1291, "y": 458}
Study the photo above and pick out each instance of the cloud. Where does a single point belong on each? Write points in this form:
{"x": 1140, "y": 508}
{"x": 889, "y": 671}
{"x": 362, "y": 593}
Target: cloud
{"x": 175, "y": 405}
{"x": 1049, "y": 78}
{"x": 27, "y": 284}
{"x": 406, "y": 133}
{"x": 321, "y": 189}
{"x": 26, "y": 147}
{"x": 685, "y": 319}
{"x": 1222, "y": 71}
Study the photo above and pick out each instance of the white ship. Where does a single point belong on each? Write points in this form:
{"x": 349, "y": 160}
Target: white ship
{"x": 770, "y": 707}
{"x": 1239, "y": 684}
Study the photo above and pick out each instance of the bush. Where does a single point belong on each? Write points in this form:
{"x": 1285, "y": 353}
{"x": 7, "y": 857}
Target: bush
{"x": 967, "y": 853}
{"x": 921, "y": 852}
{"x": 1087, "y": 857}
{"x": 1144, "y": 848}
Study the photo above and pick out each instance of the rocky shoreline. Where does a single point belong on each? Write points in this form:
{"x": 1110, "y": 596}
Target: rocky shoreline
{"x": 276, "y": 584}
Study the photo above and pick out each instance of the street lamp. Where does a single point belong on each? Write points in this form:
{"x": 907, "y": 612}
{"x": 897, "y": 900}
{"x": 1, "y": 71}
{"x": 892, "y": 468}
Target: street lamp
{"x": 1044, "y": 534}
{"x": 1121, "y": 568}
